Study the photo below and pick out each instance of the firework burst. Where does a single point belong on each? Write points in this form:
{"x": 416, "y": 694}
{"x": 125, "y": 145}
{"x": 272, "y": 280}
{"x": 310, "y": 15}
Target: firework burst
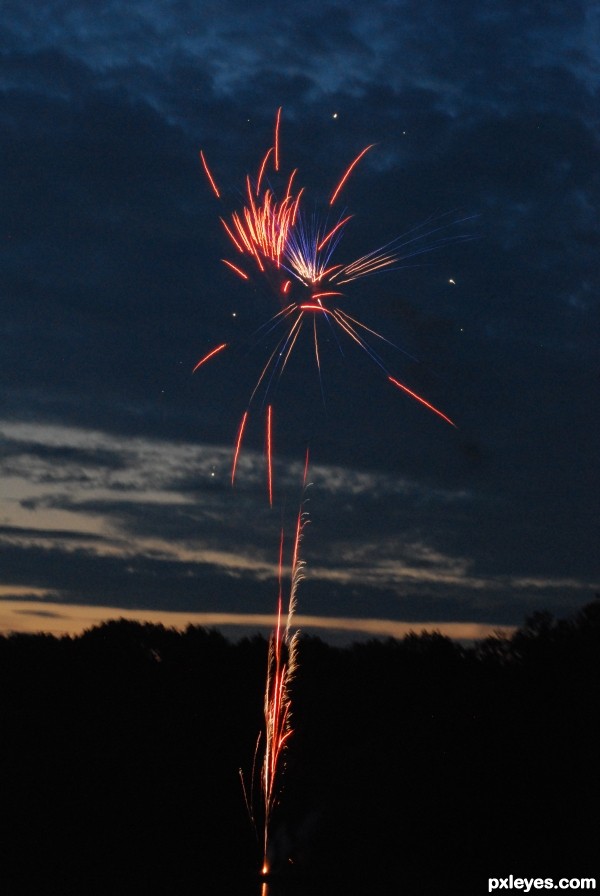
{"x": 273, "y": 238}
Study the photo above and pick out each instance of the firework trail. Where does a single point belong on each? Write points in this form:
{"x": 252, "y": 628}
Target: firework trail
{"x": 281, "y": 668}
{"x": 274, "y": 239}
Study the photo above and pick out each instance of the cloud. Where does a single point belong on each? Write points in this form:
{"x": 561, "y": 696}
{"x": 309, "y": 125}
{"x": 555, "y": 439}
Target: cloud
{"x": 141, "y": 536}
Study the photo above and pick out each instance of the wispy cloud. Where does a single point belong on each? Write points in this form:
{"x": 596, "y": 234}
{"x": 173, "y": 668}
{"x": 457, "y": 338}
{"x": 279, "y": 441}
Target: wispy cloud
{"x": 99, "y": 519}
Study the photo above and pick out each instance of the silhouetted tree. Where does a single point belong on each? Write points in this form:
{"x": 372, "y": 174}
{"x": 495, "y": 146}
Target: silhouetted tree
{"x": 412, "y": 762}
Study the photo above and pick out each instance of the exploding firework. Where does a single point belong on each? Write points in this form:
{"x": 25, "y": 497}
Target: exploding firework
{"x": 281, "y": 668}
{"x": 274, "y": 239}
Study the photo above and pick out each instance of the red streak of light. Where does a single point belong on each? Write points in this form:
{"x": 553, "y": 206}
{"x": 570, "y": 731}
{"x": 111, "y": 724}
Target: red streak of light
{"x": 277, "y": 120}
{"x": 308, "y": 307}
{"x": 320, "y": 295}
{"x": 348, "y": 329}
{"x": 211, "y": 354}
{"x": 297, "y": 326}
{"x": 262, "y": 170}
{"x": 238, "y": 445}
{"x": 295, "y": 206}
{"x": 422, "y": 400}
{"x": 270, "y": 454}
{"x": 231, "y": 236}
{"x": 237, "y": 270}
{"x": 257, "y": 257}
{"x": 289, "y": 186}
{"x": 209, "y": 176}
{"x": 331, "y": 232}
{"x": 251, "y": 197}
{"x": 328, "y": 271}
{"x": 286, "y": 286}
{"x": 348, "y": 172}
{"x": 318, "y": 360}
{"x": 306, "y": 468}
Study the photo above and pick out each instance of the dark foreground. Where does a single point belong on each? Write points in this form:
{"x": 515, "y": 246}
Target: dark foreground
{"x": 416, "y": 767}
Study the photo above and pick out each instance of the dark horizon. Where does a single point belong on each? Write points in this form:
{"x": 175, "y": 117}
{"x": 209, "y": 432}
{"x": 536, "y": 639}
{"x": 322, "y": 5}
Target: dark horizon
{"x": 411, "y": 764}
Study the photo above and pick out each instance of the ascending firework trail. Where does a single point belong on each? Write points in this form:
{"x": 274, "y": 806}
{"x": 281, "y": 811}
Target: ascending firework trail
{"x": 281, "y": 667}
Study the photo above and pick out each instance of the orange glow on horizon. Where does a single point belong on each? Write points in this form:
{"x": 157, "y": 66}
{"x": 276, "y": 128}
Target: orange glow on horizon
{"x": 33, "y": 616}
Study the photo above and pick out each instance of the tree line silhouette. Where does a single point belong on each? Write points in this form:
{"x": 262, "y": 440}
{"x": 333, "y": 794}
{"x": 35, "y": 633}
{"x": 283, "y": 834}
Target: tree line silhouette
{"x": 417, "y": 766}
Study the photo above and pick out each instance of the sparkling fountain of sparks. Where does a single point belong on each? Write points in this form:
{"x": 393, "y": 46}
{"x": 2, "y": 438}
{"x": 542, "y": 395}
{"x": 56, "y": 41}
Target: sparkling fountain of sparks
{"x": 274, "y": 239}
{"x": 281, "y": 667}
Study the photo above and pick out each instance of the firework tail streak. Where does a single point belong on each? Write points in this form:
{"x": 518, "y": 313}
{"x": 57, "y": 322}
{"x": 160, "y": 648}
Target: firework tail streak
{"x": 281, "y": 668}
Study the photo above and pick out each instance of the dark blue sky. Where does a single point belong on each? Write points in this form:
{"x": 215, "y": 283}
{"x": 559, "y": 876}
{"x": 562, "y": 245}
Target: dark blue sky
{"x": 116, "y": 461}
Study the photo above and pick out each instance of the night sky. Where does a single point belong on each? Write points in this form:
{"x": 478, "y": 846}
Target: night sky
{"x": 116, "y": 461}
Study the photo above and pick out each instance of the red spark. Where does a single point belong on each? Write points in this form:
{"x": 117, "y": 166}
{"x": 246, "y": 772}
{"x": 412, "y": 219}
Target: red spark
{"x": 210, "y": 355}
{"x": 348, "y": 172}
{"x": 422, "y": 400}
{"x": 270, "y": 455}
{"x": 231, "y": 236}
{"x": 277, "y": 120}
{"x": 234, "y": 267}
{"x": 337, "y": 227}
{"x": 322, "y": 295}
{"x": 262, "y": 170}
{"x": 238, "y": 445}
{"x": 209, "y": 175}
{"x": 288, "y": 192}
